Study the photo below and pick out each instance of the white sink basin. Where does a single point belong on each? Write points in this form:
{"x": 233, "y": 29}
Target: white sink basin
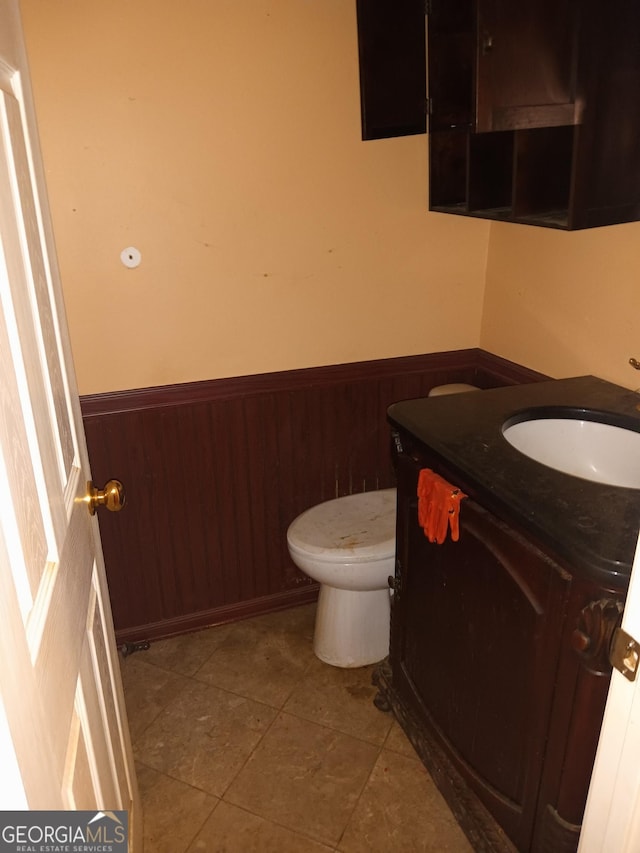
{"x": 588, "y": 449}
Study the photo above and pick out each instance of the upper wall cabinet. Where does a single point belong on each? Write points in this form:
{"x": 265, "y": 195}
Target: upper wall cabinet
{"x": 534, "y": 107}
{"x": 391, "y": 44}
{"x": 501, "y": 65}
{"x": 526, "y": 57}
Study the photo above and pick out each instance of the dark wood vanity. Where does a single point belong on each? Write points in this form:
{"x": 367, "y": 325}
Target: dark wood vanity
{"x": 498, "y": 668}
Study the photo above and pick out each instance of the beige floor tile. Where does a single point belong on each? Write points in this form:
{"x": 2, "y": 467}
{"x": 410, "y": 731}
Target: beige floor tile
{"x": 233, "y": 830}
{"x": 295, "y": 620}
{"x": 305, "y": 777}
{"x": 204, "y": 713}
{"x": 148, "y": 690}
{"x": 173, "y": 812}
{"x": 204, "y": 736}
{"x": 262, "y": 658}
{"x": 397, "y": 741}
{"x": 186, "y": 654}
{"x": 341, "y": 699}
{"x": 401, "y": 809}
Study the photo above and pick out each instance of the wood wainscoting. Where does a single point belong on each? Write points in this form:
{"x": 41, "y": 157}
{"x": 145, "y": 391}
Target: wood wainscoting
{"x": 215, "y": 471}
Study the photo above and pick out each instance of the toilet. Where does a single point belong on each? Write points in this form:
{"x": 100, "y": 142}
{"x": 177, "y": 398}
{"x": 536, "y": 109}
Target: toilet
{"x": 452, "y": 388}
{"x": 348, "y": 546}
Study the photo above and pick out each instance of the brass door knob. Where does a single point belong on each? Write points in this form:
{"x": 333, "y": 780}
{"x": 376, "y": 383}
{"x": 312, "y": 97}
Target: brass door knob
{"x": 111, "y": 497}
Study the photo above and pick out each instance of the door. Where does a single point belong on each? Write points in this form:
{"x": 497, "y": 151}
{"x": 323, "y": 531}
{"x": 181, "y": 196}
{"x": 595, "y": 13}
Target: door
{"x": 612, "y": 816}
{"x": 63, "y": 728}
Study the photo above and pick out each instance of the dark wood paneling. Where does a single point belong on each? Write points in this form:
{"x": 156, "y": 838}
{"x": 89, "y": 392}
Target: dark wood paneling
{"x": 215, "y": 472}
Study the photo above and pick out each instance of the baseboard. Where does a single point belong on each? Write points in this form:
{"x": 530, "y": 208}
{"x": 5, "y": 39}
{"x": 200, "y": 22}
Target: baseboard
{"x": 219, "y": 615}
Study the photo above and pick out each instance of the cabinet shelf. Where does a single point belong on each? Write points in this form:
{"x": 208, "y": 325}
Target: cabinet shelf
{"x": 549, "y": 219}
{"x": 521, "y": 175}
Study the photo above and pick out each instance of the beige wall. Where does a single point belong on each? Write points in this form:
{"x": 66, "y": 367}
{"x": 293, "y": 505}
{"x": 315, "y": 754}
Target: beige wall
{"x": 563, "y": 303}
{"x": 222, "y": 139}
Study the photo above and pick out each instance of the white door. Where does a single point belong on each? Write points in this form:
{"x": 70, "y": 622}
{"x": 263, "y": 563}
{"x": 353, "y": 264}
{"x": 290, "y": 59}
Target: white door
{"x": 612, "y": 816}
{"x": 64, "y": 739}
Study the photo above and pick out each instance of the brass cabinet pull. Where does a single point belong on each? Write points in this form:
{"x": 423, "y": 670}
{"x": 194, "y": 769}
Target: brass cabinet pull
{"x": 111, "y": 497}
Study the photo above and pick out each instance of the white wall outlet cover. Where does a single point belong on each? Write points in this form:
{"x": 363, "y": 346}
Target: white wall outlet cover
{"x": 130, "y": 257}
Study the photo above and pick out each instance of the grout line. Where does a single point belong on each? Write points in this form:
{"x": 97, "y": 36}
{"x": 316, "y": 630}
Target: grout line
{"x": 356, "y": 805}
{"x": 298, "y": 832}
{"x": 249, "y": 757}
{"x": 201, "y": 827}
{"x": 217, "y": 800}
{"x": 334, "y": 729}
{"x": 188, "y": 681}
{"x": 161, "y": 710}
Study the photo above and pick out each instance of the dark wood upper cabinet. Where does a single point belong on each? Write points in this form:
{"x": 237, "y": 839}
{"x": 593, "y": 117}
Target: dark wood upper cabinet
{"x": 533, "y": 107}
{"x": 391, "y": 43}
{"x": 451, "y": 66}
{"x": 526, "y": 64}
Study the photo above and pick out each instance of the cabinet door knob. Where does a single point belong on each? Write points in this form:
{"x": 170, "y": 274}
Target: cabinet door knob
{"x": 580, "y": 641}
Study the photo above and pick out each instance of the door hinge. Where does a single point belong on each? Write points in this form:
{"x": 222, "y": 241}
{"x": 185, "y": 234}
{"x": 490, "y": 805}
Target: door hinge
{"x": 625, "y": 654}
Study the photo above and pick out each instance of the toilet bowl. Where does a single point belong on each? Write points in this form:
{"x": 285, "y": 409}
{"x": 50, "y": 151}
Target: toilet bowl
{"x": 348, "y": 545}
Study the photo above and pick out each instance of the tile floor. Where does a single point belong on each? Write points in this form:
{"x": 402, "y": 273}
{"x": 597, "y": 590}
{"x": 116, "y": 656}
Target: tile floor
{"x": 244, "y": 741}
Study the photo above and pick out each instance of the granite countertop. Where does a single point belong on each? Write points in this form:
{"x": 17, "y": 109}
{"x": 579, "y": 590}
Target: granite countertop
{"x": 593, "y": 526}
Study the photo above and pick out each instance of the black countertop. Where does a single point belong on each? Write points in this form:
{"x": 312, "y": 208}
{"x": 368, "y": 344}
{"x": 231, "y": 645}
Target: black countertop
{"x": 593, "y": 526}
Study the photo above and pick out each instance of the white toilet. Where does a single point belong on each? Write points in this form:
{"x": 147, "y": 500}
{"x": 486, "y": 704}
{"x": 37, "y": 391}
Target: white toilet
{"x": 452, "y": 388}
{"x": 348, "y": 546}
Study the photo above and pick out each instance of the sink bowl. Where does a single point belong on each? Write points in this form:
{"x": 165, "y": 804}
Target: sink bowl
{"x": 596, "y": 446}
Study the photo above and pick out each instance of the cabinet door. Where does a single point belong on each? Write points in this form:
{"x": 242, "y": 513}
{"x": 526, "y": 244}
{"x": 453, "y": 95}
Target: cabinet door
{"x": 475, "y": 650}
{"x": 391, "y": 45}
{"x": 527, "y": 62}
{"x": 451, "y": 56}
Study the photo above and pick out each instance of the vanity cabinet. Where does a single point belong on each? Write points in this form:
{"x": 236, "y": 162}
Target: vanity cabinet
{"x": 532, "y": 108}
{"x": 498, "y": 668}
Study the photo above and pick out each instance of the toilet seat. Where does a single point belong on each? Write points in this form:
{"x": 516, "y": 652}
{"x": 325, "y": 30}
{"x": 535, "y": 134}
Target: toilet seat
{"x": 357, "y": 528}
